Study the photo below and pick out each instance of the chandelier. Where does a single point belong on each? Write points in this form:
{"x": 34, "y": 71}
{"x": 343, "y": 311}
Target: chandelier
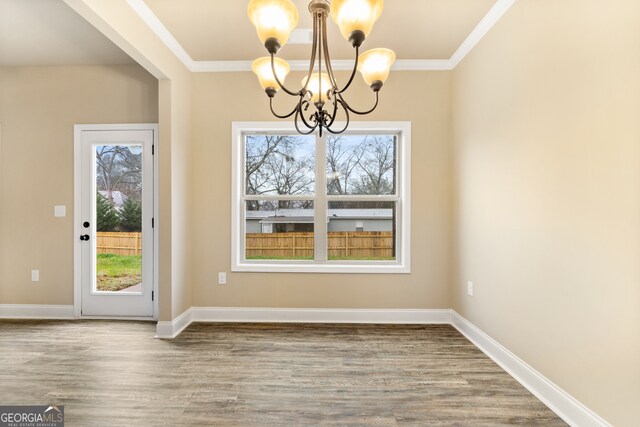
{"x": 320, "y": 98}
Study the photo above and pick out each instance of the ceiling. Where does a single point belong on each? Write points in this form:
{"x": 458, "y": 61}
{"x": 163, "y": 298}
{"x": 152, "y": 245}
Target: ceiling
{"x": 48, "y": 32}
{"x": 216, "y": 35}
{"x": 220, "y": 30}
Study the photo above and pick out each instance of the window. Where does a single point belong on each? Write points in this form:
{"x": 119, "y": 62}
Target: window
{"x": 339, "y": 203}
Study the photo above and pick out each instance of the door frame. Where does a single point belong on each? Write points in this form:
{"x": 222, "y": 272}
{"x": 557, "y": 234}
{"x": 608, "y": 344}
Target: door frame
{"x": 77, "y": 214}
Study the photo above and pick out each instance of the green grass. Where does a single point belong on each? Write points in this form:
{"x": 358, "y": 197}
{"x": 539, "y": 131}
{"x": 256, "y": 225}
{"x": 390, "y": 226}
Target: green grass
{"x": 117, "y": 272}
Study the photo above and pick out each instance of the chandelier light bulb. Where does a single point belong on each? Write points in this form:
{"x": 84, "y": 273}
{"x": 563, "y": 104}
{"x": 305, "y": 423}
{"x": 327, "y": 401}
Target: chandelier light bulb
{"x": 262, "y": 68}
{"x": 374, "y": 65}
{"x": 355, "y": 15}
{"x": 314, "y": 86}
{"x": 273, "y": 19}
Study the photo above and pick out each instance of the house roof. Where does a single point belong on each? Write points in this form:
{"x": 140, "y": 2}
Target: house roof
{"x": 118, "y": 197}
{"x": 361, "y": 213}
{"x": 288, "y": 220}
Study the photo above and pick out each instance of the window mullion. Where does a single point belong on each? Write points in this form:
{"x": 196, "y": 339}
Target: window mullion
{"x": 320, "y": 204}
{"x": 349, "y": 198}
{"x": 252, "y": 197}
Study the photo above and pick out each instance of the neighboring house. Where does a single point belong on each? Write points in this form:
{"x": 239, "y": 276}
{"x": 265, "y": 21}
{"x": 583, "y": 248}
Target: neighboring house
{"x": 117, "y": 197}
{"x": 300, "y": 220}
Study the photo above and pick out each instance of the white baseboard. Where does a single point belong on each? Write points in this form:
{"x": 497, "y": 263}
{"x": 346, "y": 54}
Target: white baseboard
{"x": 319, "y": 315}
{"x": 171, "y": 329}
{"x": 36, "y": 311}
{"x": 563, "y": 404}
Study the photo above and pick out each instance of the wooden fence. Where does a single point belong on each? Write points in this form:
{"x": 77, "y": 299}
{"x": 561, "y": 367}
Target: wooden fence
{"x": 119, "y": 243}
{"x": 341, "y": 244}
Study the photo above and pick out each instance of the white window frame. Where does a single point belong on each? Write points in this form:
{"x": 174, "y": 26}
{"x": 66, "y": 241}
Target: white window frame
{"x": 402, "y": 263}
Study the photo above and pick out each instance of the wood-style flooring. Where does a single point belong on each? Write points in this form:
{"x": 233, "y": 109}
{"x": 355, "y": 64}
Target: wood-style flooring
{"x": 110, "y": 373}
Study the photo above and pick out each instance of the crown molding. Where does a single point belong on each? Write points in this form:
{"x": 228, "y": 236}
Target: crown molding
{"x": 338, "y": 65}
{"x": 150, "y": 18}
{"x": 496, "y": 12}
{"x": 486, "y": 23}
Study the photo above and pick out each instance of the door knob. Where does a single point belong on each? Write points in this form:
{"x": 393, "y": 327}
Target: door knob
{"x": 84, "y": 237}
{"x": 85, "y": 224}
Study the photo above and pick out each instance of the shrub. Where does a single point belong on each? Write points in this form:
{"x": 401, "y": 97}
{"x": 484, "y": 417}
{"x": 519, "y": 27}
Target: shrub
{"x": 106, "y": 215}
{"x": 131, "y": 215}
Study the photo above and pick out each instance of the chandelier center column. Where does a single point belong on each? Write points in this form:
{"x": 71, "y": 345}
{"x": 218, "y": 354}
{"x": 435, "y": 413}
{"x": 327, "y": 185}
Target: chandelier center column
{"x": 320, "y": 5}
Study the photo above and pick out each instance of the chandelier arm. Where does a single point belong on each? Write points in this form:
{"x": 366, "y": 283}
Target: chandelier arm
{"x": 295, "y": 122}
{"x": 285, "y": 116}
{"x": 362, "y": 113}
{"x": 314, "y": 50}
{"x": 327, "y": 60}
{"x": 353, "y": 73}
{"x": 346, "y": 110}
{"x": 306, "y": 123}
{"x": 282, "y": 86}
{"x": 335, "y": 111}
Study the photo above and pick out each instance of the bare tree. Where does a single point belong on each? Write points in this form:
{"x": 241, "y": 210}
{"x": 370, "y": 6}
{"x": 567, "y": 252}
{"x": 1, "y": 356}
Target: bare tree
{"x": 282, "y": 165}
{"x": 290, "y": 176}
{"x": 257, "y": 152}
{"x": 377, "y": 167}
{"x": 275, "y": 165}
{"x": 341, "y": 164}
{"x": 119, "y": 169}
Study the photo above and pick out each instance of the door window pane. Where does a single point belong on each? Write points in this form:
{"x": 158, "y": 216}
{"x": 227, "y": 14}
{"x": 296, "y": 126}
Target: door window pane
{"x": 280, "y": 229}
{"x": 118, "y": 207}
{"x": 362, "y": 231}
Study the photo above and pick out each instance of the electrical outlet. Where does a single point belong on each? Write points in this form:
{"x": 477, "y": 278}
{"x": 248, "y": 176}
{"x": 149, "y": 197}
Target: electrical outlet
{"x": 470, "y": 289}
{"x": 35, "y": 275}
{"x": 222, "y": 278}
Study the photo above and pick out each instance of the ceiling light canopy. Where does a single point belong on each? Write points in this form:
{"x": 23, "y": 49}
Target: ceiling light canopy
{"x": 275, "y": 20}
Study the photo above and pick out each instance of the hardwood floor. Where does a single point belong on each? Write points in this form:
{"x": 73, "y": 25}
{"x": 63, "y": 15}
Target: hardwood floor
{"x": 110, "y": 373}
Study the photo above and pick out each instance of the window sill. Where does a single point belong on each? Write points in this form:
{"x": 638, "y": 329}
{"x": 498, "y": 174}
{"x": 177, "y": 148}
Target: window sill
{"x": 329, "y": 267}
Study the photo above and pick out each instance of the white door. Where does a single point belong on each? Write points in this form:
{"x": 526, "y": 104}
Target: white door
{"x": 116, "y": 221}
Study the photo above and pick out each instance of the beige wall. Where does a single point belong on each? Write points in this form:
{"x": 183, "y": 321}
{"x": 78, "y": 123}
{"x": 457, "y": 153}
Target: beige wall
{"x": 38, "y": 108}
{"x": 181, "y": 199}
{"x": 219, "y": 99}
{"x": 547, "y": 172}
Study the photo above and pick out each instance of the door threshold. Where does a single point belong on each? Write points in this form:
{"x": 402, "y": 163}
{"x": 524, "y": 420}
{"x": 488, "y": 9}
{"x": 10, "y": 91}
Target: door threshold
{"x": 147, "y": 319}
